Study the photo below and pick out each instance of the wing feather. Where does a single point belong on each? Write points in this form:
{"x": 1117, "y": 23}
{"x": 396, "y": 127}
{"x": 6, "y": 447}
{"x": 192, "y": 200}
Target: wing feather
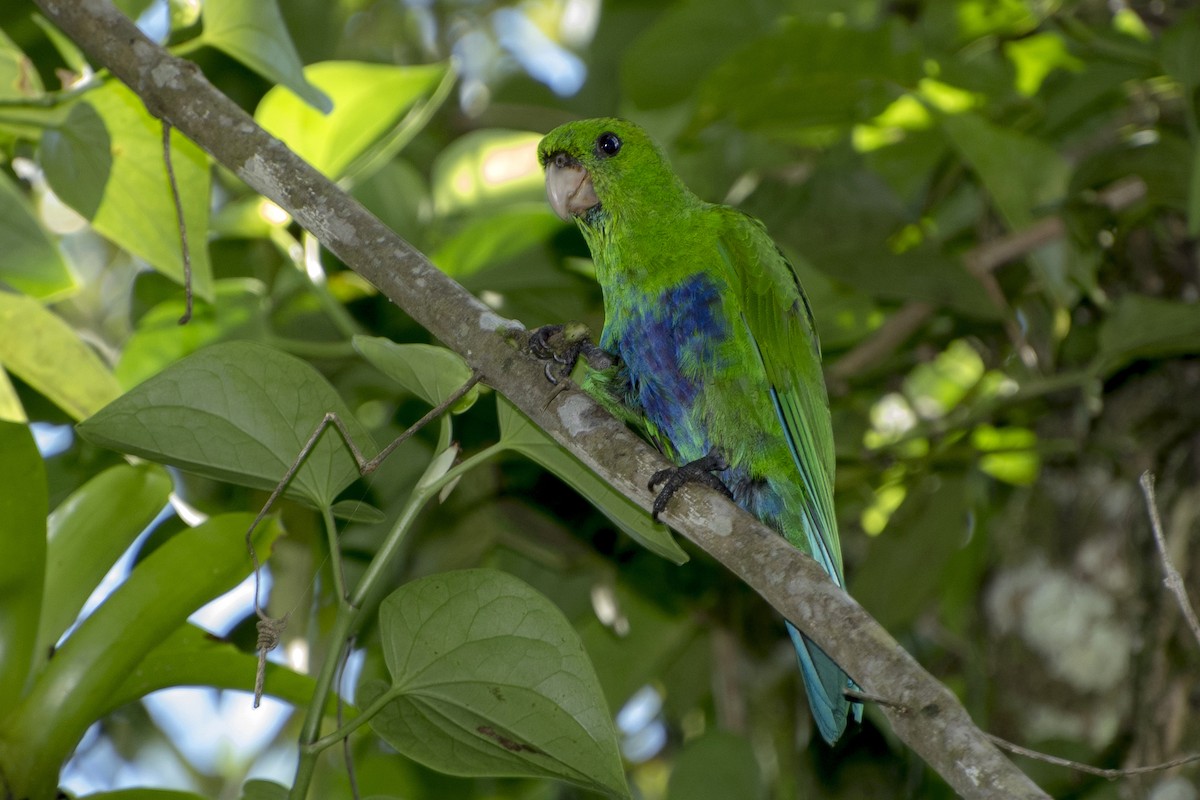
{"x": 779, "y": 322}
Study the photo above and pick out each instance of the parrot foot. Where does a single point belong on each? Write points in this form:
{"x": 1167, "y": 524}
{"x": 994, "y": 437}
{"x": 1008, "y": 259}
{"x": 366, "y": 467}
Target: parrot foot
{"x": 699, "y": 471}
{"x": 562, "y": 345}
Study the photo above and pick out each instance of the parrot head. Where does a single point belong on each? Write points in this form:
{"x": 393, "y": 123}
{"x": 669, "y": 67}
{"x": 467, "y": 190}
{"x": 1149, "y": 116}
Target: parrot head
{"x": 593, "y": 164}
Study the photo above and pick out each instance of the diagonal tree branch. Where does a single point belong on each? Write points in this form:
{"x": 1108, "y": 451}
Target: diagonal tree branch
{"x": 926, "y": 716}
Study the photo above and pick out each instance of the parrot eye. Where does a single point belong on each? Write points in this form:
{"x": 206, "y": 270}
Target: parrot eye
{"x": 608, "y": 145}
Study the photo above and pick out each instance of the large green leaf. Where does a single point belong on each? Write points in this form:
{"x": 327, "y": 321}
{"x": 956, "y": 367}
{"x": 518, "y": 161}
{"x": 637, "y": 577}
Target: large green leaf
{"x": 179, "y": 576}
{"x": 31, "y": 263}
{"x": 193, "y": 657}
{"x": 841, "y": 222}
{"x": 19, "y": 79}
{"x": 23, "y": 567}
{"x": 495, "y": 238}
{"x": 368, "y": 100}
{"x": 49, "y": 356}
{"x": 489, "y": 678}
{"x": 239, "y": 412}
{"x": 77, "y": 158}
{"x": 487, "y": 169}
{"x": 87, "y": 534}
{"x": 106, "y": 162}
{"x": 820, "y": 77}
{"x": 923, "y": 534}
{"x": 430, "y": 372}
{"x": 237, "y": 311}
{"x": 712, "y": 33}
{"x": 518, "y": 433}
{"x": 254, "y": 33}
{"x": 1147, "y": 327}
{"x": 1025, "y": 178}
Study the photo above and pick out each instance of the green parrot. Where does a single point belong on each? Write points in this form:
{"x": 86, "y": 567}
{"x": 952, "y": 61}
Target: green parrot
{"x": 711, "y": 351}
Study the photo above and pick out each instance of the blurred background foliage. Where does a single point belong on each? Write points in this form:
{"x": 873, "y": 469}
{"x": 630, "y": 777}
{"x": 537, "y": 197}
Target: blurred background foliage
{"x": 994, "y": 207}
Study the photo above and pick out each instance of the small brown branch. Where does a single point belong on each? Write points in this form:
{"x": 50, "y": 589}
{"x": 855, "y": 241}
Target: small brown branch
{"x": 981, "y": 262}
{"x": 183, "y": 236}
{"x": 1172, "y": 579}
{"x": 867, "y": 697}
{"x": 1110, "y": 774}
{"x": 270, "y": 629}
{"x": 883, "y": 342}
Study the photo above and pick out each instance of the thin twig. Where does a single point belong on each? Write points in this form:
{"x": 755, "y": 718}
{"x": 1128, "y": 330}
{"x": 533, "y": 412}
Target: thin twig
{"x": 1172, "y": 579}
{"x": 270, "y": 629}
{"x": 1110, "y": 774}
{"x": 894, "y": 331}
{"x": 183, "y": 237}
{"x": 346, "y": 752}
{"x": 980, "y": 261}
{"x": 867, "y": 697}
{"x": 365, "y": 466}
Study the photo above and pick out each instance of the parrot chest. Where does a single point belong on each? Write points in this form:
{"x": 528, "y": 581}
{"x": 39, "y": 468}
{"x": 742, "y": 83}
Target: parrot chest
{"x": 671, "y": 343}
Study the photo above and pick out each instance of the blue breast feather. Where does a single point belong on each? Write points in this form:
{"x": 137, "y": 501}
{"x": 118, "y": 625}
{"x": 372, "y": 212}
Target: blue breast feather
{"x": 666, "y": 343}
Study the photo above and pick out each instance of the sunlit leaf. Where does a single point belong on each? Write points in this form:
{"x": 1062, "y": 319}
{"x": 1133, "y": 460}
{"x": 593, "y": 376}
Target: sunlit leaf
{"x": 489, "y": 678}
{"x": 19, "y": 79}
{"x": 1008, "y": 454}
{"x": 237, "y": 311}
{"x": 182, "y": 574}
{"x": 495, "y": 238}
{"x": 193, "y": 657}
{"x": 89, "y": 531}
{"x": 1037, "y": 56}
{"x": 518, "y": 433}
{"x": 368, "y": 100}
{"x": 239, "y": 412}
{"x": 106, "y": 162}
{"x": 430, "y": 372}
{"x": 487, "y": 168}
{"x": 50, "y": 357}
{"x": 1147, "y": 327}
{"x": 255, "y": 34}
{"x": 936, "y": 387}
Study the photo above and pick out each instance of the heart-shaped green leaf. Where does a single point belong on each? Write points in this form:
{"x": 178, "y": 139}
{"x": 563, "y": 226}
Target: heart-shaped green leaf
{"x": 430, "y": 372}
{"x": 238, "y": 412}
{"x": 489, "y": 678}
{"x": 255, "y": 34}
{"x": 368, "y": 101}
{"x": 106, "y": 162}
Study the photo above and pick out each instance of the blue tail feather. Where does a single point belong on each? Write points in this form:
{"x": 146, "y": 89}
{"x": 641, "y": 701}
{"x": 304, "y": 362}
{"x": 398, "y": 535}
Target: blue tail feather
{"x": 824, "y": 681}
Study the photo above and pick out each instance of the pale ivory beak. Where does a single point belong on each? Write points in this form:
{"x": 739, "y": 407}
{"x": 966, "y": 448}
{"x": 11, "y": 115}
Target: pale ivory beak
{"x": 569, "y": 188}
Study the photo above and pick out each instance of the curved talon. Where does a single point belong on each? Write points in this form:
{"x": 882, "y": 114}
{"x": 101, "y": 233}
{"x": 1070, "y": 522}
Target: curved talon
{"x": 570, "y": 346}
{"x": 699, "y": 471}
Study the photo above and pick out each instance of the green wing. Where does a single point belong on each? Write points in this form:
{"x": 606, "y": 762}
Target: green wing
{"x": 780, "y": 326}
